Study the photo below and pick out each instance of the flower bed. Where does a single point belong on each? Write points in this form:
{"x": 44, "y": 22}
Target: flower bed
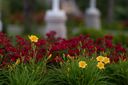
{"x": 39, "y": 61}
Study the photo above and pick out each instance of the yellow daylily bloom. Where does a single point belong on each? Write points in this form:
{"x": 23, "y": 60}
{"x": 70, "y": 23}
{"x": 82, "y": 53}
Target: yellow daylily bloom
{"x": 100, "y": 58}
{"x": 106, "y": 60}
{"x": 82, "y": 64}
{"x": 100, "y": 65}
{"x": 33, "y": 38}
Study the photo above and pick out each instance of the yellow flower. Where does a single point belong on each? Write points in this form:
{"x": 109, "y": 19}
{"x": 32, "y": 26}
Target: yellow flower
{"x": 17, "y": 61}
{"x": 100, "y": 58}
{"x": 106, "y": 60}
{"x": 33, "y": 38}
{"x": 100, "y": 65}
{"x": 82, "y": 64}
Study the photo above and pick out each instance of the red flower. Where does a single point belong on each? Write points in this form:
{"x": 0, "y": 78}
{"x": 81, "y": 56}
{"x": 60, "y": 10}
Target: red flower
{"x": 119, "y": 48}
{"x": 1, "y": 51}
{"x": 41, "y": 42}
{"x": 73, "y": 52}
{"x": 58, "y": 59}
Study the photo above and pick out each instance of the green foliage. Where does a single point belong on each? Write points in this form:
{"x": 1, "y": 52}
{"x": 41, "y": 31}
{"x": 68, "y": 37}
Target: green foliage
{"x": 121, "y": 9}
{"x": 118, "y": 73}
{"x": 92, "y": 32}
{"x": 113, "y": 26}
{"x": 27, "y": 74}
{"x": 70, "y": 73}
{"x": 16, "y": 5}
{"x": 121, "y": 38}
{"x": 82, "y": 4}
{"x": 3, "y": 77}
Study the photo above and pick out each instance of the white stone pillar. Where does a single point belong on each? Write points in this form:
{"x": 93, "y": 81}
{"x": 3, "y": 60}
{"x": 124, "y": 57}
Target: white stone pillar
{"x": 55, "y": 20}
{"x": 93, "y": 3}
{"x": 92, "y": 16}
{"x": 0, "y": 15}
{"x": 0, "y": 23}
{"x": 55, "y": 5}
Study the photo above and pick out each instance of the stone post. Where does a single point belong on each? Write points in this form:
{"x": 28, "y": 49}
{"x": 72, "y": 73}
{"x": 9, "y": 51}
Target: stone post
{"x": 0, "y": 23}
{"x": 55, "y": 20}
{"x": 0, "y": 16}
{"x": 92, "y": 16}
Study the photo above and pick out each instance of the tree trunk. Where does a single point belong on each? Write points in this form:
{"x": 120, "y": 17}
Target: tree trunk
{"x": 4, "y": 9}
{"x": 28, "y": 22}
{"x": 110, "y": 16}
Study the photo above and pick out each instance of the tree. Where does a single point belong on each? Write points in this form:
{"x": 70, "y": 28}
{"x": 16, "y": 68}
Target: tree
{"x": 110, "y": 16}
{"x": 28, "y": 10}
{"x": 4, "y": 9}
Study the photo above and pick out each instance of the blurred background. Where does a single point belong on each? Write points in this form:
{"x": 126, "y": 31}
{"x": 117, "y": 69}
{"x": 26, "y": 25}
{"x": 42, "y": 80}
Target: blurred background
{"x": 27, "y": 16}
